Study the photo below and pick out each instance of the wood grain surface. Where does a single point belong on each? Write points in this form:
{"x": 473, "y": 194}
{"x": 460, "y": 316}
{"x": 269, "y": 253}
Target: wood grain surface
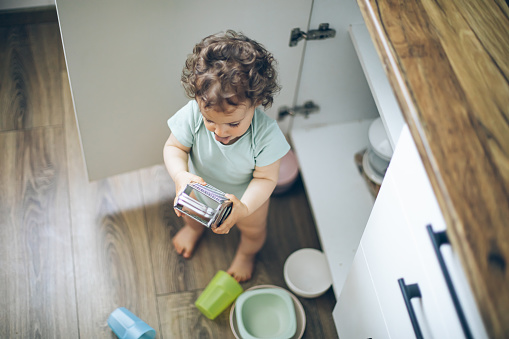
{"x": 37, "y": 293}
{"x": 72, "y": 251}
{"x": 448, "y": 63}
{"x": 32, "y": 59}
{"x": 37, "y": 281}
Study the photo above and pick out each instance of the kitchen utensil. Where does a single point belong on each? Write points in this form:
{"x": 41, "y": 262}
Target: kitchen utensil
{"x": 210, "y": 208}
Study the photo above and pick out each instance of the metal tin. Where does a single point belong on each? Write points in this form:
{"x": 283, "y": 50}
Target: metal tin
{"x": 210, "y": 207}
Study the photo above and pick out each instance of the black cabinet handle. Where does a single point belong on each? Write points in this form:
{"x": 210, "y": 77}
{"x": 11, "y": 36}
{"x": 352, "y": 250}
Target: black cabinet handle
{"x": 409, "y": 292}
{"x": 438, "y": 239}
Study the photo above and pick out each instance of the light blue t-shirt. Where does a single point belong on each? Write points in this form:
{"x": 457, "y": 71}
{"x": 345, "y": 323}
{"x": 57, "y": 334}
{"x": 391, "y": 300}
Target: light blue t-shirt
{"x": 228, "y": 167}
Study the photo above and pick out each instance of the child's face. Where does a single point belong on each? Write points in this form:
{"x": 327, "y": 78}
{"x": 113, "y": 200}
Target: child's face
{"x": 230, "y": 124}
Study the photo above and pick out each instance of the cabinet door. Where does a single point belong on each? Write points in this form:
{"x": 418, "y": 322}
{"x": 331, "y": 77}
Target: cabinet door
{"x": 391, "y": 254}
{"x": 421, "y": 209}
{"x": 393, "y": 250}
{"x": 396, "y": 245}
{"x": 331, "y": 72}
{"x": 124, "y": 60}
{"x": 357, "y": 312}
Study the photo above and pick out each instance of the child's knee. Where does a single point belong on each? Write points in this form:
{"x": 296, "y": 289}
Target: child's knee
{"x": 258, "y": 231}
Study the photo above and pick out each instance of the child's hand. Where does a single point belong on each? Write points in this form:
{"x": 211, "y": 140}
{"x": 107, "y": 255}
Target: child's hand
{"x": 239, "y": 211}
{"x": 181, "y": 180}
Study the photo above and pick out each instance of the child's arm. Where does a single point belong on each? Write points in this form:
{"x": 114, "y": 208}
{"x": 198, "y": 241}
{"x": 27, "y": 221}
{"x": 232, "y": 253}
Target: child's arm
{"x": 176, "y": 160}
{"x": 259, "y": 190}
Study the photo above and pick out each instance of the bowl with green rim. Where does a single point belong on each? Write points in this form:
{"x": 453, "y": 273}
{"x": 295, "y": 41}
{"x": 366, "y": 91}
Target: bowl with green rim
{"x": 266, "y": 313}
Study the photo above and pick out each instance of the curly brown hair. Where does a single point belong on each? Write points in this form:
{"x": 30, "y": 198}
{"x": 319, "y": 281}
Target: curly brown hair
{"x": 228, "y": 69}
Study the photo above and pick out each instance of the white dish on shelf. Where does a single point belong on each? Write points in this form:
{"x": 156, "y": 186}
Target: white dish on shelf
{"x": 370, "y": 172}
{"x": 299, "y": 313}
{"x": 379, "y": 141}
{"x": 379, "y": 165}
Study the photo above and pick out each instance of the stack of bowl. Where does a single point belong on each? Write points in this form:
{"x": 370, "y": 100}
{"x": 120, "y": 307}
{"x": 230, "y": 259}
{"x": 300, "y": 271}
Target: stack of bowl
{"x": 379, "y": 153}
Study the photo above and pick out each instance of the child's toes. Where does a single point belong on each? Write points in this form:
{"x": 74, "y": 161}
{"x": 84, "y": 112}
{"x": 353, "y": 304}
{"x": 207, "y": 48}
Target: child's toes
{"x": 177, "y": 247}
{"x": 186, "y": 253}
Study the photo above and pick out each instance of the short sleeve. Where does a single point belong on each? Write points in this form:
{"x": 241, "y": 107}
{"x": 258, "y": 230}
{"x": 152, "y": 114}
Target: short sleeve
{"x": 183, "y": 124}
{"x": 270, "y": 142}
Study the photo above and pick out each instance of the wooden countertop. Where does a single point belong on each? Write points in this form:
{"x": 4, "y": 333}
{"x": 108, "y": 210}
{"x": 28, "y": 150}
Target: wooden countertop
{"x": 448, "y": 63}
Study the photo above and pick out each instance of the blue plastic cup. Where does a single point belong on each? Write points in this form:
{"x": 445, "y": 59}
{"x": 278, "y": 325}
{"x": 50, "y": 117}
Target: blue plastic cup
{"x": 128, "y": 326}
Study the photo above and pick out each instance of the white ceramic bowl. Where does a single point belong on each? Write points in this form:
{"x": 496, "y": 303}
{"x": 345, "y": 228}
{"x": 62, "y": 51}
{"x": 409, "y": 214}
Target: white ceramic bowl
{"x": 380, "y": 165}
{"x": 307, "y": 273}
{"x": 370, "y": 172}
{"x": 378, "y": 140}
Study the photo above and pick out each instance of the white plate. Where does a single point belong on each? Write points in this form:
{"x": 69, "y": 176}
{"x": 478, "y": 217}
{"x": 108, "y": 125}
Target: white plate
{"x": 378, "y": 140}
{"x": 299, "y": 313}
{"x": 370, "y": 172}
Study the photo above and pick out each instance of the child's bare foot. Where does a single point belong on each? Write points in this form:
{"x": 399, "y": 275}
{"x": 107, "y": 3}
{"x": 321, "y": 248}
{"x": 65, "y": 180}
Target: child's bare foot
{"x": 186, "y": 239}
{"x": 242, "y": 267}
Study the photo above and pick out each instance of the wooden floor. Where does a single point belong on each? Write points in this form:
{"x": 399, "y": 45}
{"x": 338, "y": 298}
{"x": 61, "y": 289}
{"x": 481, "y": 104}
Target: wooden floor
{"x": 72, "y": 251}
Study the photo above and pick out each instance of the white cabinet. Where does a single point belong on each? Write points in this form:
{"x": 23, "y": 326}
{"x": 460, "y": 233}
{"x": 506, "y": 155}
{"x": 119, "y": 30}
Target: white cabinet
{"x": 326, "y": 142}
{"x": 358, "y": 307}
{"x": 379, "y": 85}
{"x": 125, "y": 68}
{"x": 396, "y": 245}
{"x": 125, "y": 59}
{"x": 390, "y": 255}
{"x": 338, "y": 195}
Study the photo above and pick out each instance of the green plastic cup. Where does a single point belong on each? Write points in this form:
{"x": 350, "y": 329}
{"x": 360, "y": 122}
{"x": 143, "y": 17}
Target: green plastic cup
{"x": 220, "y": 293}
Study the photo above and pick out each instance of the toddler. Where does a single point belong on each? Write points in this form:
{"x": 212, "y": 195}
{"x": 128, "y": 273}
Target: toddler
{"x": 230, "y": 142}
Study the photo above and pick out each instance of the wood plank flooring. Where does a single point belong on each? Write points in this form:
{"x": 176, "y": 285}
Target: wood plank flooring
{"x": 72, "y": 251}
